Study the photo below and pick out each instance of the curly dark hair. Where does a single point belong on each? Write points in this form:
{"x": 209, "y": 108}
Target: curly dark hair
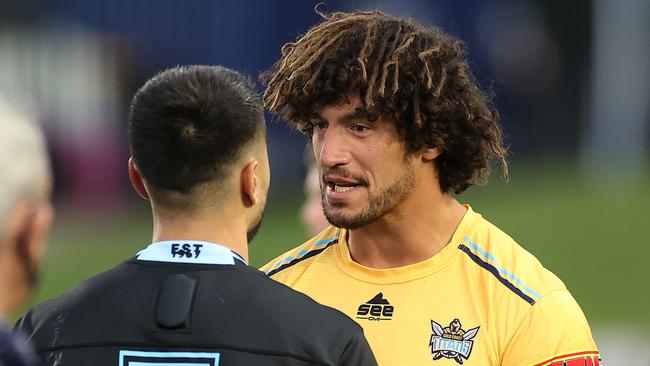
{"x": 417, "y": 77}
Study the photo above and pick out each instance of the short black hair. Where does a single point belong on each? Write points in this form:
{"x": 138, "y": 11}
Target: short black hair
{"x": 188, "y": 123}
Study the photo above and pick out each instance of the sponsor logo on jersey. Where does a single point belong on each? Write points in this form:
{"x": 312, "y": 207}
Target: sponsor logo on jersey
{"x": 451, "y": 342}
{"x": 376, "y": 309}
{"x": 147, "y": 358}
{"x": 186, "y": 250}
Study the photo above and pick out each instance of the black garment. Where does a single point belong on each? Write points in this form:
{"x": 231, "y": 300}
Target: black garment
{"x": 15, "y": 350}
{"x": 204, "y": 314}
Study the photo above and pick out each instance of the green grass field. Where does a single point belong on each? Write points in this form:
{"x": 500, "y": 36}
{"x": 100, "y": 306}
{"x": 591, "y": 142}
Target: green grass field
{"x": 596, "y": 240}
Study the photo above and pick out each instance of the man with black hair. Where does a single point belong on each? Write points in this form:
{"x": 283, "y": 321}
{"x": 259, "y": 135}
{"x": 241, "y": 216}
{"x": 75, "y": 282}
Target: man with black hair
{"x": 198, "y": 154}
{"x": 398, "y": 127}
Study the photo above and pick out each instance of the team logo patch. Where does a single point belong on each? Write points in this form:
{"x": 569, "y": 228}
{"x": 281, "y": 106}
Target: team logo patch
{"x": 452, "y": 342}
{"x": 144, "y": 358}
{"x": 376, "y": 309}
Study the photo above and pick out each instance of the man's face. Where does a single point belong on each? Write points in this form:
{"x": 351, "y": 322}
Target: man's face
{"x": 364, "y": 168}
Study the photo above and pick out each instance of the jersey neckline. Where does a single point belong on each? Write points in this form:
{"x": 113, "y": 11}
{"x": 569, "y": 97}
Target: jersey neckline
{"x": 409, "y": 272}
{"x": 189, "y": 252}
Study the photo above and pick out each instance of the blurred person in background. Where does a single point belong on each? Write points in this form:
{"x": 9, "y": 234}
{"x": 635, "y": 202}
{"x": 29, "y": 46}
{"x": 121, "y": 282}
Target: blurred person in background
{"x": 399, "y": 127}
{"x": 25, "y": 218}
{"x": 311, "y": 211}
{"x": 199, "y": 155}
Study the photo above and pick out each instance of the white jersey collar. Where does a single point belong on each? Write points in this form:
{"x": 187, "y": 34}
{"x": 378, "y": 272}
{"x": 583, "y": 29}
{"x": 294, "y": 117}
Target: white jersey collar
{"x": 189, "y": 251}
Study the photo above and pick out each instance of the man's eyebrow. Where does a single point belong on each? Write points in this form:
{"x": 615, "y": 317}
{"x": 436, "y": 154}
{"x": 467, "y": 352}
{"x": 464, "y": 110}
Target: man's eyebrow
{"x": 359, "y": 113}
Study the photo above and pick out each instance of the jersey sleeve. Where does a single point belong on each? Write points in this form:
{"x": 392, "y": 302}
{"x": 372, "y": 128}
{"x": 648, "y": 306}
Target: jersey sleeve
{"x": 357, "y": 352}
{"x": 555, "y": 331}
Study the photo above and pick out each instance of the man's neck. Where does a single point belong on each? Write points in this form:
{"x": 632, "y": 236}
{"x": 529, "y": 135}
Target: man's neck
{"x": 411, "y": 232}
{"x": 215, "y": 229}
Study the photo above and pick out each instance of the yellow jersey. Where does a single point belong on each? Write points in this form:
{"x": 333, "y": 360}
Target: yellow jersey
{"x": 482, "y": 300}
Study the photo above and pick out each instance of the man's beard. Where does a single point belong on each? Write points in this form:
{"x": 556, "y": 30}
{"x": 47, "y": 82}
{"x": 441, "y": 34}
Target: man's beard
{"x": 378, "y": 203}
{"x": 252, "y": 231}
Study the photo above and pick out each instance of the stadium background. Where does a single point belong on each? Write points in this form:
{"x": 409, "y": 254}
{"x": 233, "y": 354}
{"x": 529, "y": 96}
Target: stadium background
{"x": 571, "y": 82}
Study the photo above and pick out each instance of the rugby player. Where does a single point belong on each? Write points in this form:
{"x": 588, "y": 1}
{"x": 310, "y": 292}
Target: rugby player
{"x": 399, "y": 127}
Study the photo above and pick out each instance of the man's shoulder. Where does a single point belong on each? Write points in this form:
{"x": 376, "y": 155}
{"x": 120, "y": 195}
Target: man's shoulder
{"x": 295, "y": 305}
{"x": 498, "y": 254}
{"x": 277, "y": 313}
{"x": 299, "y": 257}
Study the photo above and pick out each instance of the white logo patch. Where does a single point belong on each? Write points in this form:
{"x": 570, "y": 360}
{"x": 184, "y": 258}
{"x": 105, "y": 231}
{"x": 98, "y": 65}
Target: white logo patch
{"x": 145, "y": 358}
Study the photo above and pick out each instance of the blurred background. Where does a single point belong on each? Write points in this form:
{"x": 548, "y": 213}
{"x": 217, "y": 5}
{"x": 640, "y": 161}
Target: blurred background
{"x": 571, "y": 80}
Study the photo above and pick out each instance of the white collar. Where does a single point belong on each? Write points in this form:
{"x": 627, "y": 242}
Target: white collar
{"x": 188, "y": 251}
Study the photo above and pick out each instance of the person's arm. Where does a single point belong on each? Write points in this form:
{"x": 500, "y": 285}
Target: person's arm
{"x": 357, "y": 352}
{"x": 553, "y": 332}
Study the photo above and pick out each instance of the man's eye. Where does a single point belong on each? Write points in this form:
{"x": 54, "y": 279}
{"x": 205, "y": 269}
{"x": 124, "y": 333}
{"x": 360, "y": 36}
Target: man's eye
{"x": 359, "y": 128}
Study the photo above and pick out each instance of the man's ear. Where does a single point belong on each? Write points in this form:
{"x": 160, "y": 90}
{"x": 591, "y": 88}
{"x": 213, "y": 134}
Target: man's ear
{"x": 136, "y": 180}
{"x": 430, "y": 153}
{"x": 33, "y": 233}
{"x": 250, "y": 183}
{"x": 28, "y": 228}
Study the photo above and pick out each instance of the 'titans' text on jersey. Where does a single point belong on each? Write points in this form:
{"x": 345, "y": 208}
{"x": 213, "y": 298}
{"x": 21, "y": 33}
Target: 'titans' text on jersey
{"x": 482, "y": 300}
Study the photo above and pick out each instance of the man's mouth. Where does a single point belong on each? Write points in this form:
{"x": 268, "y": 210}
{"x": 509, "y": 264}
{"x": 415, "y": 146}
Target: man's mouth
{"x": 341, "y": 187}
{"x": 338, "y": 184}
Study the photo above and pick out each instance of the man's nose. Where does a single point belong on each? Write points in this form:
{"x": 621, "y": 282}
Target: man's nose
{"x": 332, "y": 149}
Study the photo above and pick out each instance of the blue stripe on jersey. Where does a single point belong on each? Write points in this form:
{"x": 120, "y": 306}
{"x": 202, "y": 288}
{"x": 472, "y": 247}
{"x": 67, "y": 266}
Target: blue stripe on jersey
{"x": 290, "y": 261}
{"x": 317, "y": 243}
{"x": 490, "y": 268}
{"x": 502, "y": 270}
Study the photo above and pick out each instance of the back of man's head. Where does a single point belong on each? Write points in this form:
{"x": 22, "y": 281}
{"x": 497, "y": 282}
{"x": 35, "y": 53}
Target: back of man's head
{"x": 24, "y": 166}
{"x": 187, "y": 126}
